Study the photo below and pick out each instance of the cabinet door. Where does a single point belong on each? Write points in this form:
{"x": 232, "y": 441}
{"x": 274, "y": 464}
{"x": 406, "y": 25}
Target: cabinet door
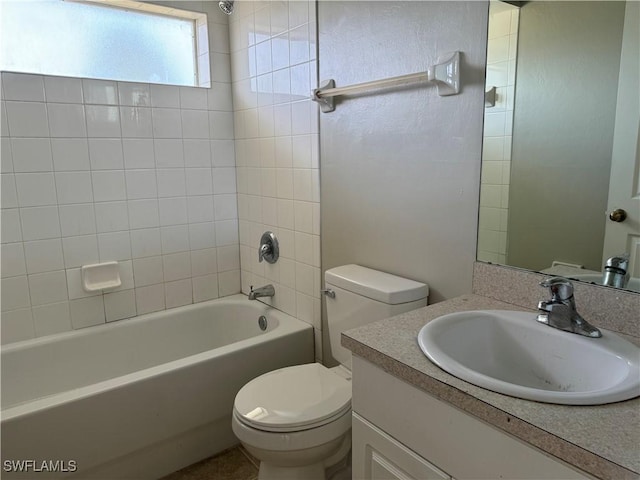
{"x": 377, "y": 456}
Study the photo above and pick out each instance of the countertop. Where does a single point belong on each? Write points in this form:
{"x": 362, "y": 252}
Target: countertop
{"x": 602, "y": 440}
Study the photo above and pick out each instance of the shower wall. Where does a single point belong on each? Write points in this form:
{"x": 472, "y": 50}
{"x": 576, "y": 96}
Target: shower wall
{"x": 273, "y": 61}
{"x": 95, "y": 171}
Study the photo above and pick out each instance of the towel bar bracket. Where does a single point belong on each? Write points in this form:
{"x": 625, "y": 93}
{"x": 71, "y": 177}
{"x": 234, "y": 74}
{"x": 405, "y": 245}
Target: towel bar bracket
{"x": 327, "y": 104}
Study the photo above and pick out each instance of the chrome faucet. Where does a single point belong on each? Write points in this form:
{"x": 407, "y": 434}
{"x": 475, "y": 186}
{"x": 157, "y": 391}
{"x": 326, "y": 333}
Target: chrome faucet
{"x": 266, "y": 291}
{"x": 616, "y": 271}
{"x": 560, "y": 312}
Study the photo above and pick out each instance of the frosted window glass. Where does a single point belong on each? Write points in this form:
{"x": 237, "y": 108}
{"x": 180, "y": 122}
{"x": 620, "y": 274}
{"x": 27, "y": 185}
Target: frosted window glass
{"x": 54, "y": 37}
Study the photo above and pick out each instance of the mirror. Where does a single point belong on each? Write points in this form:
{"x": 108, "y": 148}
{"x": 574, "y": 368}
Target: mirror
{"x": 561, "y": 137}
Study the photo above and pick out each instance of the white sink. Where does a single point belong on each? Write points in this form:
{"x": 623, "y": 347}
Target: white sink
{"x": 510, "y": 352}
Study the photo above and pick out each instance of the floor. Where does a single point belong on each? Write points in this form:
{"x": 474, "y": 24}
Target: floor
{"x": 232, "y": 464}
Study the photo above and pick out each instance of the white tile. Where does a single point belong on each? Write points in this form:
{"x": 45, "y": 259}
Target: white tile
{"x": 27, "y": 119}
{"x": 221, "y": 125}
{"x": 63, "y": 89}
{"x": 305, "y": 279}
{"x": 31, "y": 155}
{"x": 304, "y": 248}
{"x": 268, "y": 183}
{"x": 35, "y": 189}
{"x": 81, "y": 250}
{"x": 178, "y": 293}
{"x": 14, "y": 293}
{"x": 51, "y": 319}
{"x": 195, "y": 124}
{"x": 223, "y": 153}
{"x": 74, "y": 187}
{"x": 17, "y": 325}
{"x": 147, "y": 271}
{"x": 198, "y": 181}
{"x": 22, "y": 86}
{"x": 219, "y": 97}
{"x": 229, "y": 283}
{"x": 4, "y": 123}
{"x": 70, "y": 154}
{"x": 141, "y": 184}
{"x": 101, "y": 92}
{"x": 8, "y": 190}
{"x": 39, "y": 223}
{"x": 120, "y": 305}
{"x": 66, "y": 120}
{"x": 171, "y": 182}
{"x": 196, "y": 153}
{"x": 226, "y": 207}
{"x": 77, "y": 219}
{"x": 173, "y": 211}
{"x": 228, "y": 258}
{"x": 165, "y": 96}
{"x": 6, "y": 157}
{"x": 302, "y": 184}
{"x": 143, "y": 213}
{"x": 50, "y": 287}
{"x": 303, "y": 217}
{"x": 269, "y": 211}
{"x": 138, "y": 153}
{"x": 226, "y": 232}
{"x": 114, "y": 246}
{"x": 12, "y": 255}
{"x": 301, "y": 149}
{"x": 87, "y": 312}
{"x": 176, "y": 266}
{"x": 284, "y": 182}
{"x": 11, "y": 230}
{"x": 193, "y": 98}
{"x": 134, "y": 94}
{"x": 300, "y": 117}
{"x": 44, "y": 255}
{"x": 284, "y": 152}
{"x": 299, "y": 45}
{"x": 102, "y": 121}
{"x": 111, "y": 216}
{"x": 149, "y": 299}
{"x": 224, "y": 180}
{"x": 108, "y": 185}
{"x": 126, "y": 275}
{"x": 204, "y": 262}
{"x": 106, "y": 154}
{"x": 205, "y": 288}
{"x": 202, "y": 235}
{"x": 166, "y": 123}
{"x": 145, "y": 242}
{"x": 200, "y": 209}
{"x": 298, "y": 13}
{"x": 136, "y": 122}
{"x": 304, "y": 308}
{"x": 174, "y": 239}
{"x": 168, "y": 153}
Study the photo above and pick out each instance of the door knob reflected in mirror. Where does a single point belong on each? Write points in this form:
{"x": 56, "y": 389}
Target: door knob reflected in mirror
{"x": 618, "y": 215}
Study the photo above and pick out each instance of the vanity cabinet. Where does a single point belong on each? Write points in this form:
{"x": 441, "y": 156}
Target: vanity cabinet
{"x": 402, "y": 432}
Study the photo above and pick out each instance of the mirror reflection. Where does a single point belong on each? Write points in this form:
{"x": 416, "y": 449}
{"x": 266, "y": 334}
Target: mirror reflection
{"x": 560, "y": 188}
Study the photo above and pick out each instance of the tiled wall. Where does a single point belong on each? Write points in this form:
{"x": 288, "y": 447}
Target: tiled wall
{"x": 94, "y": 171}
{"x": 273, "y": 61}
{"x": 498, "y": 122}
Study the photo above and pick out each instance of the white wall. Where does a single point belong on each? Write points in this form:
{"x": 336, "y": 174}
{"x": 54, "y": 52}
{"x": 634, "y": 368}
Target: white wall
{"x": 273, "y": 59}
{"x": 98, "y": 171}
{"x": 401, "y": 169}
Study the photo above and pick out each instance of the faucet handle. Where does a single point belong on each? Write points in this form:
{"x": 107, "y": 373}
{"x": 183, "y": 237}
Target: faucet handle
{"x": 560, "y": 288}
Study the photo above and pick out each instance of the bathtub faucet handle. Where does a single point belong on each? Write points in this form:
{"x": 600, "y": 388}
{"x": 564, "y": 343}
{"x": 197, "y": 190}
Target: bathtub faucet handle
{"x": 268, "y": 249}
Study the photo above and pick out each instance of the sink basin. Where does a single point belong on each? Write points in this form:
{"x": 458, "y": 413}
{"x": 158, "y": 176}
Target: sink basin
{"x": 510, "y": 352}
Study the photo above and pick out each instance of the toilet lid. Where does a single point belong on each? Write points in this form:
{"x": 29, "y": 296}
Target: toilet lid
{"x": 293, "y": 397}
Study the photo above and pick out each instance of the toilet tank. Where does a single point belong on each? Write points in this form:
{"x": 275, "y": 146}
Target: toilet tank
{"x": 364, "y": 295}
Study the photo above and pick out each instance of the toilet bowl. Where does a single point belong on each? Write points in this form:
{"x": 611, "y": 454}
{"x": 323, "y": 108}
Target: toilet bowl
{"x": 297, "y": 420}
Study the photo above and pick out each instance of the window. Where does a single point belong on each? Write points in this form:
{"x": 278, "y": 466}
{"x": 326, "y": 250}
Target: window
{"x": 94, "y": 40}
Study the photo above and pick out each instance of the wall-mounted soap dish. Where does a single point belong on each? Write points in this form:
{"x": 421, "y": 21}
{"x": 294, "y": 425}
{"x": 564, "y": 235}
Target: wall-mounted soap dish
{"x": 100, "y": 276}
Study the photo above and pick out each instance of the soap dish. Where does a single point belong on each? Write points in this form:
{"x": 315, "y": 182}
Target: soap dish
{"x": 100, "y": 276}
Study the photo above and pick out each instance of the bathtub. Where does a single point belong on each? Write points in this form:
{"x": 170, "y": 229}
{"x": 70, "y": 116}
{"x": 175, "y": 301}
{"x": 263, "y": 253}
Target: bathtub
{"x": 138, "y": 398}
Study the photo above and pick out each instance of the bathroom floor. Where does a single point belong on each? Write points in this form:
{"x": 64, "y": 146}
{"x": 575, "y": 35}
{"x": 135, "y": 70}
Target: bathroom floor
{"x": 232, "y": 464}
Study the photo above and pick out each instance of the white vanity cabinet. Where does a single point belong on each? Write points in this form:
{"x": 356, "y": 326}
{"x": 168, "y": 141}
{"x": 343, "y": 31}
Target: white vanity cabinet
{"x": 401, "y": 432}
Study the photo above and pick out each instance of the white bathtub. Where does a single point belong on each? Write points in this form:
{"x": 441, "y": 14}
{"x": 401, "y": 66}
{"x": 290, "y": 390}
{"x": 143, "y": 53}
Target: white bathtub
{"x": 138, "y": 398}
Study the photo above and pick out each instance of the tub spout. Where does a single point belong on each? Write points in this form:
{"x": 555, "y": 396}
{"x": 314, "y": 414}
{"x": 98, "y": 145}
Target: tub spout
{"x": 266, "y": 291}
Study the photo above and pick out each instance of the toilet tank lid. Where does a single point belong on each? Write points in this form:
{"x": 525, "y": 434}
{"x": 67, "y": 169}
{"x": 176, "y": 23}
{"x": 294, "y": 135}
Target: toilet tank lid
{"x": 376, "y": 285}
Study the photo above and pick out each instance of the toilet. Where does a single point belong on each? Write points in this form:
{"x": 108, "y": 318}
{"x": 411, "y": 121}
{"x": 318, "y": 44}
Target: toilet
{"x": 297, "y": 420}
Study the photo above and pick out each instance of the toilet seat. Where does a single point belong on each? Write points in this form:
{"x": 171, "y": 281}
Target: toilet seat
{"x": 293, "y": 399}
